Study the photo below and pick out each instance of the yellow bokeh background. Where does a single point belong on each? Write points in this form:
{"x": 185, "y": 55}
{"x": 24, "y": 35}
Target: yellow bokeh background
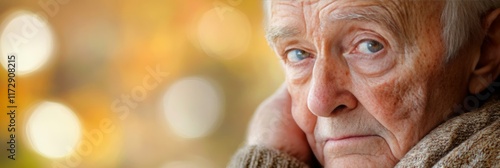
{"x": 103, "y": 52}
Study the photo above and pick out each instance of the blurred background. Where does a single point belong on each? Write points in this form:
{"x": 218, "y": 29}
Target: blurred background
{"x": 128, "y": 83}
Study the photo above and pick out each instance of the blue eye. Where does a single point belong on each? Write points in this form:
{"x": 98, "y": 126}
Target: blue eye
{"x": 370, "y": 47}
{"x": 297, "y": 55}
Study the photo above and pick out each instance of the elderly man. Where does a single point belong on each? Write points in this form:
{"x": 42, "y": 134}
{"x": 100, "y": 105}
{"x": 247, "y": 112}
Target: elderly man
{"x": 380, "y": 83}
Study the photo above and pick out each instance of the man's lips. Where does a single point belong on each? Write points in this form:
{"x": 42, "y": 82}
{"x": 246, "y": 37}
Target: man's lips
{"x": 349, "y": 144}
{"x": 353, "y": 137}
{"x": 347, "y": 140}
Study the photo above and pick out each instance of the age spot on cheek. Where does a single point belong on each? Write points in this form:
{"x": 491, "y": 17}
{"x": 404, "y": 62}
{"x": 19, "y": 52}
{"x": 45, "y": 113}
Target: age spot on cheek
{"x": 389, "y": 97}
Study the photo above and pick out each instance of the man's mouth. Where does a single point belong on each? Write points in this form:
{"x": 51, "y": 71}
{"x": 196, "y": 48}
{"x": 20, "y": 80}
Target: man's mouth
{"x": 347, "y": 138}
{"x": 346, "y": 141}
{"x": 349, "y": 144}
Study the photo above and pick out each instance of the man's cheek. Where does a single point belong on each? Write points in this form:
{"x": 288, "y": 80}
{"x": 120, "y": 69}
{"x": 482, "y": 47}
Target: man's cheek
{"x": 300, "y": 112}
{"x": 304, "y": 119}
{"x": 384, "y": 102}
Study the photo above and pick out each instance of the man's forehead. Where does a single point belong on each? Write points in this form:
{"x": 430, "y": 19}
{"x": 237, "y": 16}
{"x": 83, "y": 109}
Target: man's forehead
{"x": 304, "y": 6}
{"x": 337, "y": 4}
{"x": 288, "y": 15}
{"x": 312, "y": 11}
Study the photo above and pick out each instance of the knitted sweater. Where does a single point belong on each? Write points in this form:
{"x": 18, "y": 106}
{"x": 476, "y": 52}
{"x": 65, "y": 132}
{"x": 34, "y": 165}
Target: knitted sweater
{"x": 470, "y": 139}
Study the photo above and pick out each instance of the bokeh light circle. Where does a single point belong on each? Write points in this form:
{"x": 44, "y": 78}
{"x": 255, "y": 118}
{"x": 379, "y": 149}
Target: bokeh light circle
{"x": 224, "y": 32}
{"x": 193, "y": 107}
{"x": 29, "y": 37}
{"x": 53, "y": 129}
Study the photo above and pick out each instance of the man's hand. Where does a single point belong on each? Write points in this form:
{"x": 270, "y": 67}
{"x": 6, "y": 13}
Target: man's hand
{"x": 273, "y": 127}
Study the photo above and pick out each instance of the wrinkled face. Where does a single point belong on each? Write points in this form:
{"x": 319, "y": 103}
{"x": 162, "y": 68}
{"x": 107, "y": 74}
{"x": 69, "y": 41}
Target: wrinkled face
{"x": 367, "y": 78}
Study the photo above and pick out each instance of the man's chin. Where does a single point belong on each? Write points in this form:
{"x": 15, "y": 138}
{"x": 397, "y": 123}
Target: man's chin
{"x": 363, "y": 151}
{"x": 356, "y": 160}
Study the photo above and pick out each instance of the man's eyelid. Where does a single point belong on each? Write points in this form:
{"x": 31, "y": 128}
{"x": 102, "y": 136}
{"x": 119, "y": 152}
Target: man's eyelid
{"x": 368, "y": 35}
{"x": 353, "y": 46}
{"x": 297, "y": 46}
{"x": 282, "y": 47}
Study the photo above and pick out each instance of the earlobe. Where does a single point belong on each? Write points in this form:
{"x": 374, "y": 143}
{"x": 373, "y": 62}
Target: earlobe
{"x": 487, "y": 68}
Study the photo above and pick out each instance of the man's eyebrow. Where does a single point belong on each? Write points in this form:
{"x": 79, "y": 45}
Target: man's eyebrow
{"x": 273, "y": 33}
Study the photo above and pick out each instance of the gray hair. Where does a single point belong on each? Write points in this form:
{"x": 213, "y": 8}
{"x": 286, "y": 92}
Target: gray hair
{"x": 461, "y": 22}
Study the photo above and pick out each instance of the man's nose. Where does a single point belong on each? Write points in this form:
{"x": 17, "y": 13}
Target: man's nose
{"x": 329, "y": 91}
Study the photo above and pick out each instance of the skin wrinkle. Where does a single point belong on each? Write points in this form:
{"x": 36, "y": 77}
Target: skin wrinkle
{"x": 377, "y": 14}
{"x": 274, "y": 33}
{"x": 391, "y": 92}
{"x": 315, "y": 19}
{"x": 400, "y": 16}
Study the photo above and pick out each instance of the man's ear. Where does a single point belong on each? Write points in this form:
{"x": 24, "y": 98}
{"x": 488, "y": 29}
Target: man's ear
{"x": 487, "y": 68}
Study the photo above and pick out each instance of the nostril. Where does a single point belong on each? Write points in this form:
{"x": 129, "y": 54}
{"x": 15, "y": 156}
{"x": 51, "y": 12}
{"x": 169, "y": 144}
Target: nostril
{"x": 339, "y": 108}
